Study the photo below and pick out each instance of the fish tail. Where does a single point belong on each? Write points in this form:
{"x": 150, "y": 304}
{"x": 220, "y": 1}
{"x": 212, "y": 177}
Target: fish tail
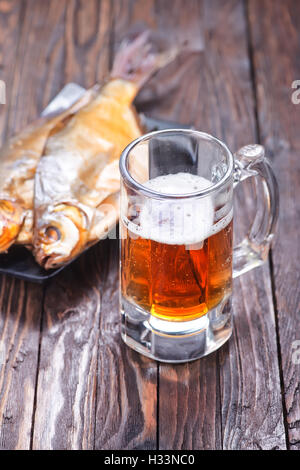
{"x": 11, "y": 220}
{"x": 136, "y": 61}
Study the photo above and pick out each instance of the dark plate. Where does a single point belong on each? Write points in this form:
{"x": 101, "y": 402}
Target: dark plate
{"x": 20, "y": 263}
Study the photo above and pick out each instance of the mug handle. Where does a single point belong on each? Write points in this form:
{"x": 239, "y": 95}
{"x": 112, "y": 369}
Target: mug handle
{"x": 250, "y": 161}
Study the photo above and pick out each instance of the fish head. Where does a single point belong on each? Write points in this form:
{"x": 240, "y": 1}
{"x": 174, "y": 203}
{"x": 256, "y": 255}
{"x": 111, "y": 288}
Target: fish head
{"x": 11, "y": 220}
{"x": 60, "y": 234}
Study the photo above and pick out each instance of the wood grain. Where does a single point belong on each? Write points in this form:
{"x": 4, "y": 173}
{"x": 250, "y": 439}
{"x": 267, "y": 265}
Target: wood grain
{"x": 275, "y": 40}
{"x": 127, "y": 385}
{"x": 20, "y": 303}
{"x": 67, "y": 377}
{"x": 249, "y": 372}
{"x": 68, "y": 381}
{"x": 10, "y": 29}
{"x": 19, "y": 339}
{"x": 65, "y": 404}
{"x": 213, "y": 90}
{"x": 10, "y": 14}
{"x": 189, "y": 407}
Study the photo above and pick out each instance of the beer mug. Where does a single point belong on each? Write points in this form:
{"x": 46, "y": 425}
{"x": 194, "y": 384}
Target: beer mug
{"x": 176, "y": 228}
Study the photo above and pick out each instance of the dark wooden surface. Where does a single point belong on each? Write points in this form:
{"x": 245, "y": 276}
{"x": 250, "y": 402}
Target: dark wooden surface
{"x": 67, "y": 381}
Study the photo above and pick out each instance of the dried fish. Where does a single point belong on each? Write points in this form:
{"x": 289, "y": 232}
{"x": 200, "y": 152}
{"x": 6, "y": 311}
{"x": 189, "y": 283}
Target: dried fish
{"x": 18, "y": 161}
{"x": 78, "y": 176}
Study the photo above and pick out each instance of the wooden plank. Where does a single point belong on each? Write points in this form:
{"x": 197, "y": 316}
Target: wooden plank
{"x": 19, "y": 340}
{"x": 274, "y": 28}
{"x": 33, "y": 67}
{"x": 20, "y": 303}
{"x": 65, "y": 404}
{"x": 189, "y": 401}
{"x": 67, "y": 378}
{"x": 249, "y": 374}
{"x": 123, "y": 396}
{"x": 215, "y": 94}
{"x": 10, "y": 20}
{"x": 127, "y": 385}
{"x": 86, "y": 376}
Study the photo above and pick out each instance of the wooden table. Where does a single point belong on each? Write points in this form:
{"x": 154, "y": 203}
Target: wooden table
{"x": 67, "y": 381}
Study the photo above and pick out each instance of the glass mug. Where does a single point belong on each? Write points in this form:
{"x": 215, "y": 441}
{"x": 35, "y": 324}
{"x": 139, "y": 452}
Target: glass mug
{"x": 177, "y": 258}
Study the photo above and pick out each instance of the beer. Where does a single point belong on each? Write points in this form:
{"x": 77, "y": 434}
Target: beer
{"x": 176, "y": 258}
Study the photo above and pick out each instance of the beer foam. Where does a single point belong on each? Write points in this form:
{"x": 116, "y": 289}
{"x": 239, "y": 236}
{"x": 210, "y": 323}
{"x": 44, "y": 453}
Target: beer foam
{"x": 179, "y": 183}
{"x": 177, "y": 222}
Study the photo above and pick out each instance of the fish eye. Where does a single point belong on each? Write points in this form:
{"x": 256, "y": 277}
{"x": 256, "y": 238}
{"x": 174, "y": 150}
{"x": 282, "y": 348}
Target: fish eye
{"x": 52, "y": 233}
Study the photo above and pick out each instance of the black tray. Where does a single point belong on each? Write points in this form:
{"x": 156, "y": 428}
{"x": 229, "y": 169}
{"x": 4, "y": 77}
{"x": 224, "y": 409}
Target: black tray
{"x": 20, "y": 263}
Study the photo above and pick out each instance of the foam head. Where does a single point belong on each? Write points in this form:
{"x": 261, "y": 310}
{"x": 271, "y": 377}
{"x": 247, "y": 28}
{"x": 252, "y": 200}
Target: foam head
{"x": 176, "y": 222}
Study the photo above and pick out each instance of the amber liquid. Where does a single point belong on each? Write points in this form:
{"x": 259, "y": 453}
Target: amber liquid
{"x": 173, "y": 282}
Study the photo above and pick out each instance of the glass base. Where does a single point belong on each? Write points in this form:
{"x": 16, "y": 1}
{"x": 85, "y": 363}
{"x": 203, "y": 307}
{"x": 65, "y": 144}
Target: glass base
{"x": 175, "y": 342}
